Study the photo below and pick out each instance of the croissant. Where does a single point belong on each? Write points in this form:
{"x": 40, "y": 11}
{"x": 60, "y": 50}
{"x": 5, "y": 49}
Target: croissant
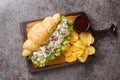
{"x": 39, "y": 34}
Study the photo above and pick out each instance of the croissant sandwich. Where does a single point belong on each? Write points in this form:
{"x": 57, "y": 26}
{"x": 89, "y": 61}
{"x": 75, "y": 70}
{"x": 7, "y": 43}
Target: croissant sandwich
{"x": 47, "y": 39}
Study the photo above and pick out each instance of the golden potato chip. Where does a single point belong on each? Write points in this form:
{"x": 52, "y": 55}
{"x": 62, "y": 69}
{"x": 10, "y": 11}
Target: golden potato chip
{"x": 90, "y": 50}
{"x": 75, "y": 48}
{"x": 83, "y": 57}
{"x": 71, "y": 58}
{"x": 87, "y": 38}
{"x": 78, "y": 53}
{"x": 67, "y": 53}
{"x": 74, "y": 36}
{"x": 79, "y": 44}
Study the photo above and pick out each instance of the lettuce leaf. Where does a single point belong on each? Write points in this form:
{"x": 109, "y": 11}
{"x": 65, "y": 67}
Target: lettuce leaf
{"x": 58, "y": 50}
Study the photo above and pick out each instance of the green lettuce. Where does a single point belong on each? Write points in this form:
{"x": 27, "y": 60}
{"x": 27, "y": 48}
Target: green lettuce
{"x": 57, "y": 50}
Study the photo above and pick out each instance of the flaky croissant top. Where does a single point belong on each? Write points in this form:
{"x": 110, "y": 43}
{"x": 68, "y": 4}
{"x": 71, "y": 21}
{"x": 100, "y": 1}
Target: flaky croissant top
{"x": 40, "y": 33}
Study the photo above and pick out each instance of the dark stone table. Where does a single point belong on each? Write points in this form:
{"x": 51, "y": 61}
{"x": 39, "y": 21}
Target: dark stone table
{"x": 106, "y": 62}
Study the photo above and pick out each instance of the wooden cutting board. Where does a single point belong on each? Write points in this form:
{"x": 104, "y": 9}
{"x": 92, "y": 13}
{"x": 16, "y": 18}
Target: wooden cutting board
{"x": 58, "y": 61}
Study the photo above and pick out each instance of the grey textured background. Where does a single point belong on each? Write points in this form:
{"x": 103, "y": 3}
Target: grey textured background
{"x": 104, "y": 66}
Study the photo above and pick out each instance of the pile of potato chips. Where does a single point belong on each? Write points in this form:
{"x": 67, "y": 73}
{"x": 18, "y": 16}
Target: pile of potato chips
{"x": 79, "y": 47}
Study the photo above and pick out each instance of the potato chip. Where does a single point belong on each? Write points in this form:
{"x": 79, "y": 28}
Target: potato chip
{"x": 90, "y": 50}
{"x": 82, "y": 57}
{"x": 87, "y": 38}
{"x": 71, "y": 58}
{"x": 78, "y": 53}
{"x": 79, "y": 48}
{"x": 75, "y": 48}
{"x": 80, "y": 44}
{"x": 74, "y": 36}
